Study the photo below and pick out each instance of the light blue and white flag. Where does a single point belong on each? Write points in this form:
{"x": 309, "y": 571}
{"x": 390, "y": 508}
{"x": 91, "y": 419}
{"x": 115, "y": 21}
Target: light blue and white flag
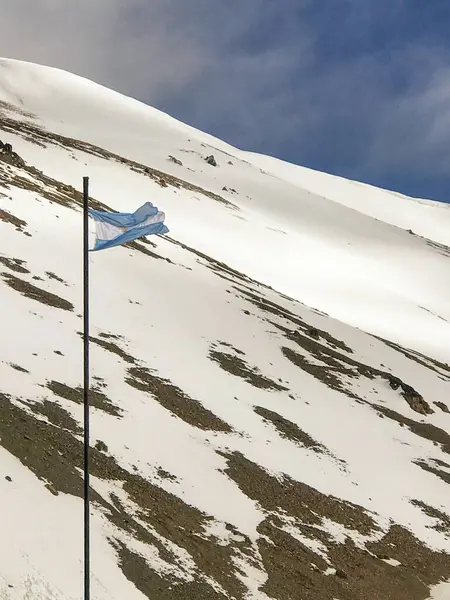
{"x": 115, "y": 229}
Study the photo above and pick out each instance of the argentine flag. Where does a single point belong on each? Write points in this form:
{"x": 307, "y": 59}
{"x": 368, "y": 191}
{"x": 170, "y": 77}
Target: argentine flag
{"x": 115, "y": 229}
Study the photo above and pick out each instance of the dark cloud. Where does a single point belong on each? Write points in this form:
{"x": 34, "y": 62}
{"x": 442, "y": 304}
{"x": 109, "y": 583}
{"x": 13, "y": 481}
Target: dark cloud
{"x": 353, "y": 87}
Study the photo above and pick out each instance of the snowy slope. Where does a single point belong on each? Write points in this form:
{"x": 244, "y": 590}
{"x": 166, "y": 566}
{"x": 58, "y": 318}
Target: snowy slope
{"x": 251, "y": 445}
{"x": 290, "y": 231}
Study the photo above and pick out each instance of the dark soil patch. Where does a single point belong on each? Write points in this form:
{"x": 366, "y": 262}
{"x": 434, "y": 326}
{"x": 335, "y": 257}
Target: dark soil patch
{"x": 107, "y": 344}
{"x": 313, "y": 332}
{"x": 110, "y": 336}
{"x": 54, "y": 455}
{"x": 165, "y": 474}
{"x": 443, "y": 520}
{"x": 236, "y": 350}
{"x": 359, "y": 573}
{"x": 31, "y": 291}
{"x": 51, "y": 275}
{"x": 329, "y": 374}
{"x": 294, "y": 498}
{"x": 97, "y": 399}
{"x": 291, "y": 431}
{"x": 441, "y": 248}
{"x": 175, "y": 400}
{"x": 153, "y": 585}
{"x": 444, "y": 475}
{"x": 143, "y": 250}
{"x": 18, "y": 368}
{"x": 14, "y": 264}
{"x": 331, "y": 367}
{"x": 51, "y": 189}
{"x": 424, "y": 430}
{"x": 218, "y": 267}
{"x": 7, "y": 217}
{"x": 57, "y": 415}
{"x": 425, "y": 361}
{"x": 235, "y": 365}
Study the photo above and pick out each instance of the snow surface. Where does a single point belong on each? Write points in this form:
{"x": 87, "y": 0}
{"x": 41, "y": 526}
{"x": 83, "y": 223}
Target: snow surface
{"x": 333, "y": 245}
{"x": 441, "y": 592}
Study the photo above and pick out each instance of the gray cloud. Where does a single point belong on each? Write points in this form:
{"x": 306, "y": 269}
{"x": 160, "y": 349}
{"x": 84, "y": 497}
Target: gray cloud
{"x": 315, "y": 87}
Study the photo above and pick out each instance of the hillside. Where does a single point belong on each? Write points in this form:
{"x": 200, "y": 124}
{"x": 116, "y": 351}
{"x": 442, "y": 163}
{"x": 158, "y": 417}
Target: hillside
{"x": 270, "y": 403}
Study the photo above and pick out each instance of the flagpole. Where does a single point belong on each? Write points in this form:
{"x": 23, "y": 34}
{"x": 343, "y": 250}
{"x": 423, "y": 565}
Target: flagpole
{"x": 87, "y": 583}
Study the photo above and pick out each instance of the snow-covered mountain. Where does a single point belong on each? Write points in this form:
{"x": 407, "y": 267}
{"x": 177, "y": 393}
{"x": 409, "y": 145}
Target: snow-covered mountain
{"x": 270, "y": 402}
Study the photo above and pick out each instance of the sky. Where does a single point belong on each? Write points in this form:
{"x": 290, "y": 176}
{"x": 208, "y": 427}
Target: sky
{"x": 358, "y": 88}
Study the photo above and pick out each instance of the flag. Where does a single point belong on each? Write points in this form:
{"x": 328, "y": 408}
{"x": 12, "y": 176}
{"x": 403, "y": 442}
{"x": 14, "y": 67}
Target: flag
{"x": 115, "y": 229}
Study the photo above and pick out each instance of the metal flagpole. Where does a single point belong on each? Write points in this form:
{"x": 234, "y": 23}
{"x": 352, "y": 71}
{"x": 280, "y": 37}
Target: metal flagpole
{"x": 87, "y": 583}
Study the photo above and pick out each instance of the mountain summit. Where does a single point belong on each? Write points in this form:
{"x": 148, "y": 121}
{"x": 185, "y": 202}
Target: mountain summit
{"x": 270, "y": 387}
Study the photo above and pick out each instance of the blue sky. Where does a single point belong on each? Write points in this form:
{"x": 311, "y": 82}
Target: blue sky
{"x": 359, "y": 88}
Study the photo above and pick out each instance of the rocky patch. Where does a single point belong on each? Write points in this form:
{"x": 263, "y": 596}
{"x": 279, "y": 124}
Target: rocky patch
{"x": 31, "y": 291}
{"x": 97, "y": 399}
{"x": 170, "y": 396}
{"x": 235, "y": 365}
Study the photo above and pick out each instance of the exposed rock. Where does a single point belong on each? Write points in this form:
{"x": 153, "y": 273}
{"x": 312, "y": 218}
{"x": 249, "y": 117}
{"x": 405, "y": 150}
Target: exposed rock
{"x": 314, "y": 333}
{"x": 418, "y": 404}
{"x": 101, "y": 446}
{"x": 442, "y": 406}
{"x": 11, "y": 157}
{"x": 394, "y": 383}
{"x": 412, "y": 397}
{"x": 211, "y": 160}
